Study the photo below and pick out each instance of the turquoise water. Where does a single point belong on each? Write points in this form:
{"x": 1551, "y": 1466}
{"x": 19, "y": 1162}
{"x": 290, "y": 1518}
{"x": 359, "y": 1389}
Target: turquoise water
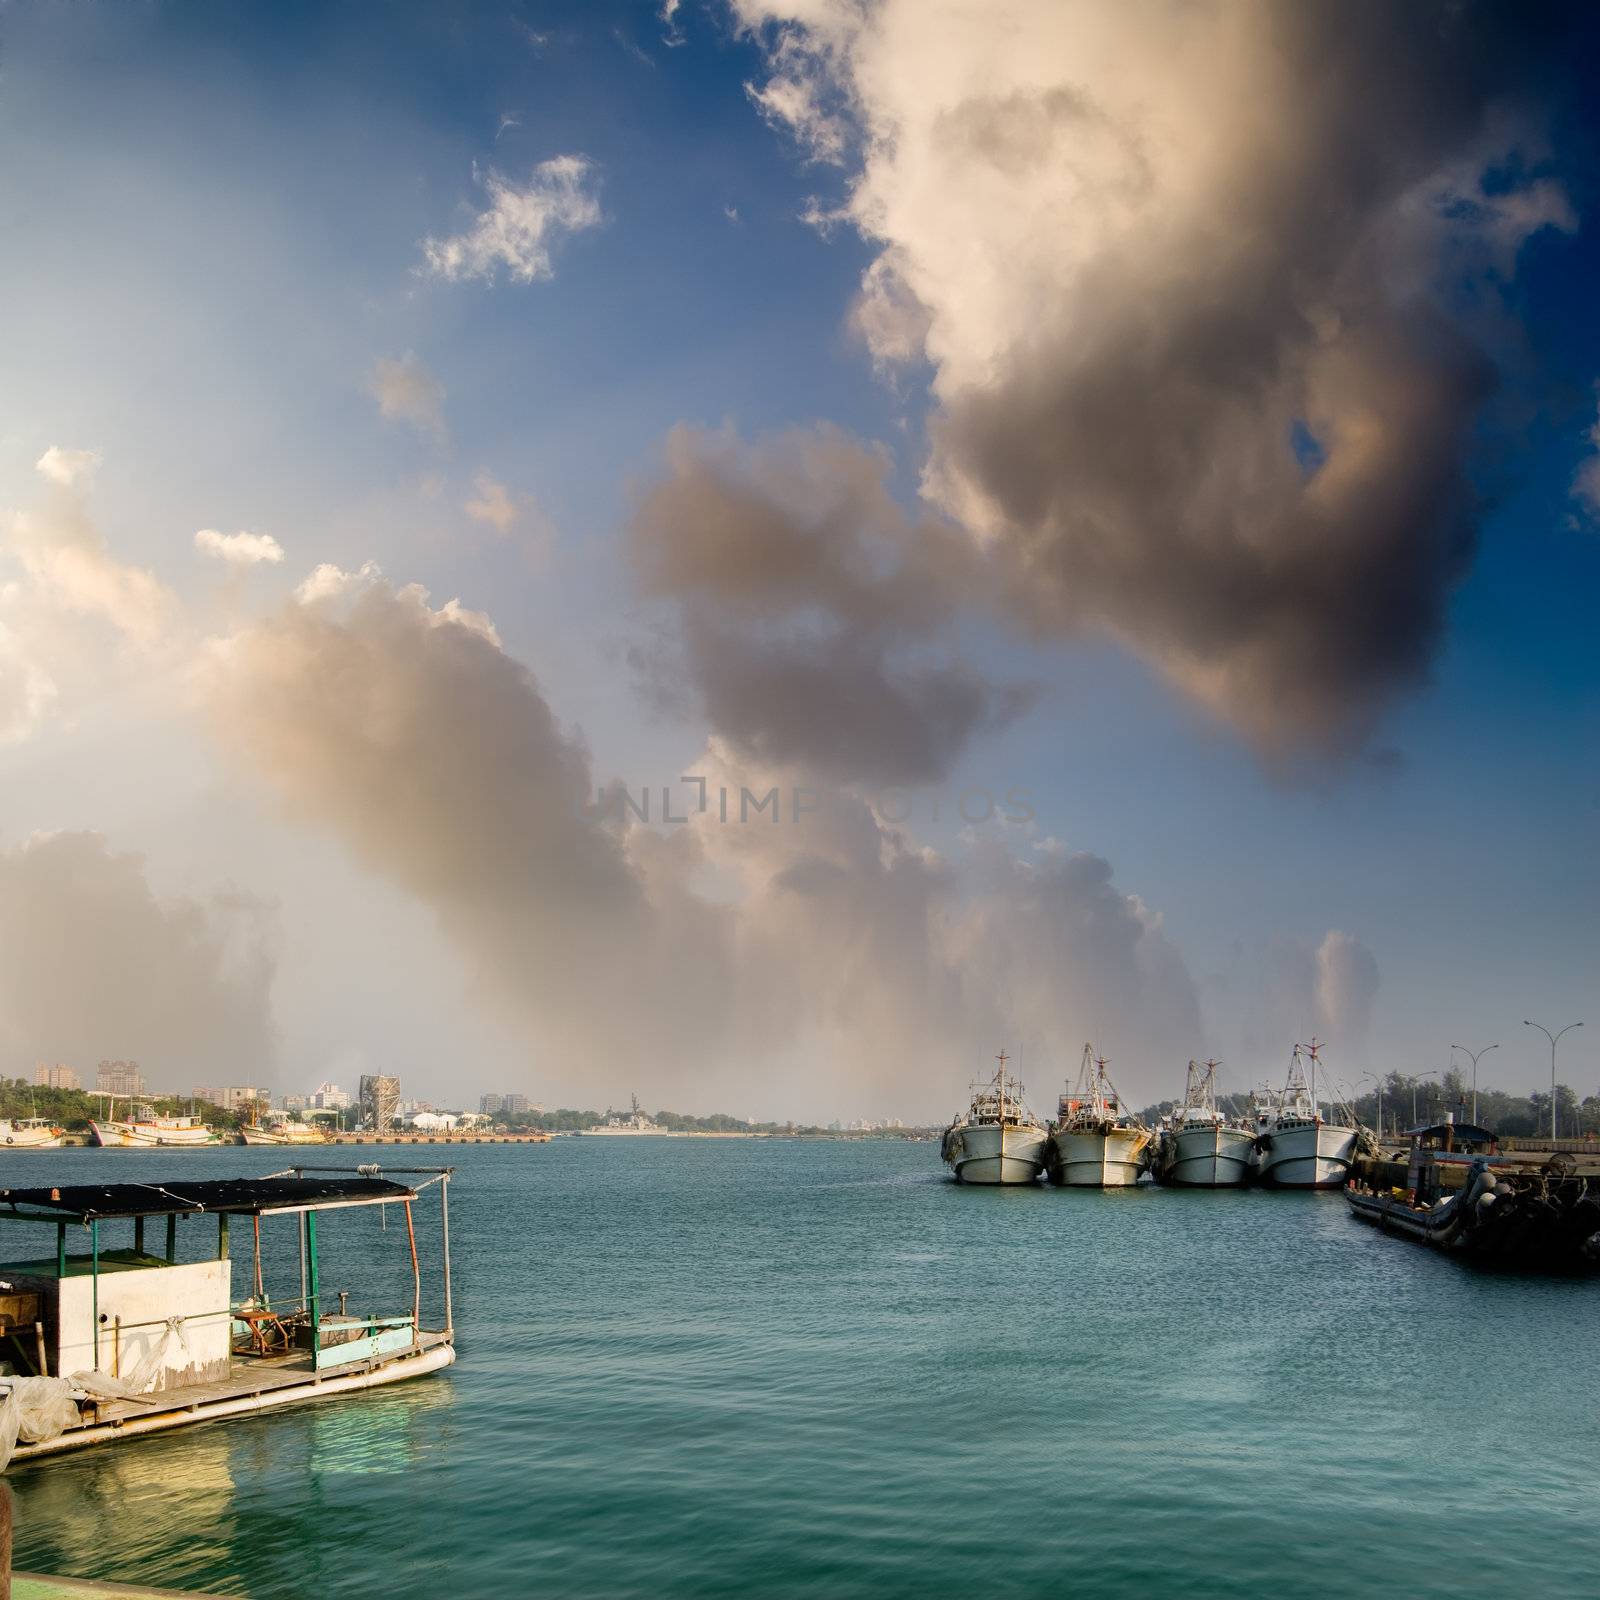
{"x": 776, "y": 1368}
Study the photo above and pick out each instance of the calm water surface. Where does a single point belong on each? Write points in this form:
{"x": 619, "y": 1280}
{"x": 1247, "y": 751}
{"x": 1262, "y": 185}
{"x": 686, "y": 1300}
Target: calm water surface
{"x": 767, "y": 1367}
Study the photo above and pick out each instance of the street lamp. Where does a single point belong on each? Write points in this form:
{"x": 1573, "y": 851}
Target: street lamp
{"x": 1416, "y": 1078}
{"x": 1379, "y": 1082}
{"x": 1552, "y": 1037}
{"x": 1466, "y": 1052}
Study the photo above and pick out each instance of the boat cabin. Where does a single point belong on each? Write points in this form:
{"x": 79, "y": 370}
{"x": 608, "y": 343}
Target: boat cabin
{"x": 1454, "y": 1138}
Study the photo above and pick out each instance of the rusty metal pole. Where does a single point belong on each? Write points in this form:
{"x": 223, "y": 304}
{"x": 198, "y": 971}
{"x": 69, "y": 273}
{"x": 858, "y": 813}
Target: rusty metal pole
{"x": 444, "y": 1205}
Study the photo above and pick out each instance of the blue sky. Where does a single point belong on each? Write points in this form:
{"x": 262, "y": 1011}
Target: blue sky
{"x": 216, "y": 219}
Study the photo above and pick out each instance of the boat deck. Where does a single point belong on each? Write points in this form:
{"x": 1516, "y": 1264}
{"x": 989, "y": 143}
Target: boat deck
{"x": 251, "y": 1377}
{"x": 257, "y": 1383}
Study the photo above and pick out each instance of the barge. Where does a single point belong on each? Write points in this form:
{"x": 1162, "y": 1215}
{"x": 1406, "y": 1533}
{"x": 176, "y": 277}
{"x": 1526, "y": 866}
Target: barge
{"x": 1462, "y": 1196}
{"x": 118, "y": 1341}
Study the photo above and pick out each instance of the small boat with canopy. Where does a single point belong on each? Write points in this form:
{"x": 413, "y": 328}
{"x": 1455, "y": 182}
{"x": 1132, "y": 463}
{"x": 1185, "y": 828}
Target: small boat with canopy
{"x": 126, "y": 1335}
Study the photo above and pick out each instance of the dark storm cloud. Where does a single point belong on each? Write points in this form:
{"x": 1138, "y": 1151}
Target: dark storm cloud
{"x": 806, "y": 601}
{"x": 1198, "y": 285}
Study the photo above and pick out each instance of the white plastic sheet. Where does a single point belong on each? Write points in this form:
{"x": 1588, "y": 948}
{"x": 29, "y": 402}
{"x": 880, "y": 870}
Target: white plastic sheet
{"x": 104, "y": 1387}
{"x": 36, "y": 1409}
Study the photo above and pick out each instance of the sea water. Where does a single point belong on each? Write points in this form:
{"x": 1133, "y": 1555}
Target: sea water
{"x": 782, "y": 1368}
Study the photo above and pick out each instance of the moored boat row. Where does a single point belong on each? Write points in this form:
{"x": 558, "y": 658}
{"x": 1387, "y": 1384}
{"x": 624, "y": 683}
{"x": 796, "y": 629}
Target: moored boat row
{"x": 1096, "y": 1142}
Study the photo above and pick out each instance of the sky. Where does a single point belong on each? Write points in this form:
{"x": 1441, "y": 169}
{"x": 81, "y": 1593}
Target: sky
{"x": 1128, "y": 478}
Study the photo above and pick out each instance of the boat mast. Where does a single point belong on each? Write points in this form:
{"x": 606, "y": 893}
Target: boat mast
{"x": 1000, "y": 1078}
{"x": 1312, "y": 1050}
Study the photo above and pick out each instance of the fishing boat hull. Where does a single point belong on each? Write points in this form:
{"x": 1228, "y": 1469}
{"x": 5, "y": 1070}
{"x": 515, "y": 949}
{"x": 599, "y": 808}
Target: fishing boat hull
{"x": 13, "y": 1137}
{"x": 1530, "y": 1221}
{"x": 1305, "y": 1158}
{"x": 1090, "y": 1160}
{"x": 279, "y": 1137}
{"x": 236, "y": 1399}
{"x": 148, "y": 1136}
{"x": 1207, "y": 1158}
{"x": 995, "y": 1155}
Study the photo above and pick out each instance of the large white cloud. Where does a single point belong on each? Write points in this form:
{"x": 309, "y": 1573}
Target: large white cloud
{"x": 835, "y": 950}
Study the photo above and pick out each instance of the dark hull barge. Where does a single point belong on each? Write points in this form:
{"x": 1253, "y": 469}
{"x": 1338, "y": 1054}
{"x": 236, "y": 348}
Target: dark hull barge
{"x": 1543, "y": 1218}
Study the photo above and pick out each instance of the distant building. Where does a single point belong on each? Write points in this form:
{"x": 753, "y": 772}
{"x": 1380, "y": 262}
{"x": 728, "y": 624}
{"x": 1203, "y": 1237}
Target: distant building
{"x": 230, "y": 1098}
{"x": 489, "y": 1104}
{"x": 380, "y": 1099}
{"x": 119, "y": 1077}
{"x": 517, "y": 1104}
{"x": 46, "y": 1076}
{"x": 295, "y": 1102}
{"x": 427, "y": 1121}
{"x": 330, "y": 1097}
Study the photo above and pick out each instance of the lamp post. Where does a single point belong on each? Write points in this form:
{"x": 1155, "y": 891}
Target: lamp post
{"x": 1474, "y": 1054}
{"x": 1379, "y": 1084}
{"x": 1432, "y": 1072}
{"x": 1553, "y": 1038}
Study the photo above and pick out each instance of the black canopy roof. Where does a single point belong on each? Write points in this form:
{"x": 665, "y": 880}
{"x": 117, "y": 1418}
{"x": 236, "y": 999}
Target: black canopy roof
{"x": 85, "y": 1202}
{"x": 1459, "y": 1130}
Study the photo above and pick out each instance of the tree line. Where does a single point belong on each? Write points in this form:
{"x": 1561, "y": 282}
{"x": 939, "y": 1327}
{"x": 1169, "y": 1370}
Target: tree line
{"x": 1410, "y": 1100}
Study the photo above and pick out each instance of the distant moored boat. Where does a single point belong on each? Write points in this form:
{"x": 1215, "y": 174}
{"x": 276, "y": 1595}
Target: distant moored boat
{"x": 145, "y": 1128}
{"x": 1095, "y": 1143}
{"x": 1296, "y": 1146}
{"x": 1200, "y": 1147}
{"x": 29, "y": 1133}
{"x": 999, "y": 1140}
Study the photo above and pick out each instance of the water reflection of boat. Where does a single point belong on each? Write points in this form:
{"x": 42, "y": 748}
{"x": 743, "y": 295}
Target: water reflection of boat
{"x": 188, "y": 1481}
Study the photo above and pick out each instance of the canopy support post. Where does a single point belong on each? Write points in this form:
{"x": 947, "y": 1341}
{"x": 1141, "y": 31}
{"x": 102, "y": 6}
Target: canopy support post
{"x": 222, "y": 1236}
{"x": 172, "y": 1236}
{"x": 416, "y": 1276}
{"x": 61, "y": 1249}
{"x": 138, "y": 1236}
{"x": 316, "y": 1298}
{"x": 444, "y": 1212}
{"x": 94, "y": 1287}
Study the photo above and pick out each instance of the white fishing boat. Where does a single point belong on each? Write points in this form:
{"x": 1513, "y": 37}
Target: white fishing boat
{"x": 999, "y": 1140}
{"x": 1200, "y": 1146}
{"x": 282, "y": 1132}
{"x": 1095, "y": 1143}
{"x": 1296, "y": 1146}
{"x": 30, "y": 1133}
{"x": 144, "y": 1128}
